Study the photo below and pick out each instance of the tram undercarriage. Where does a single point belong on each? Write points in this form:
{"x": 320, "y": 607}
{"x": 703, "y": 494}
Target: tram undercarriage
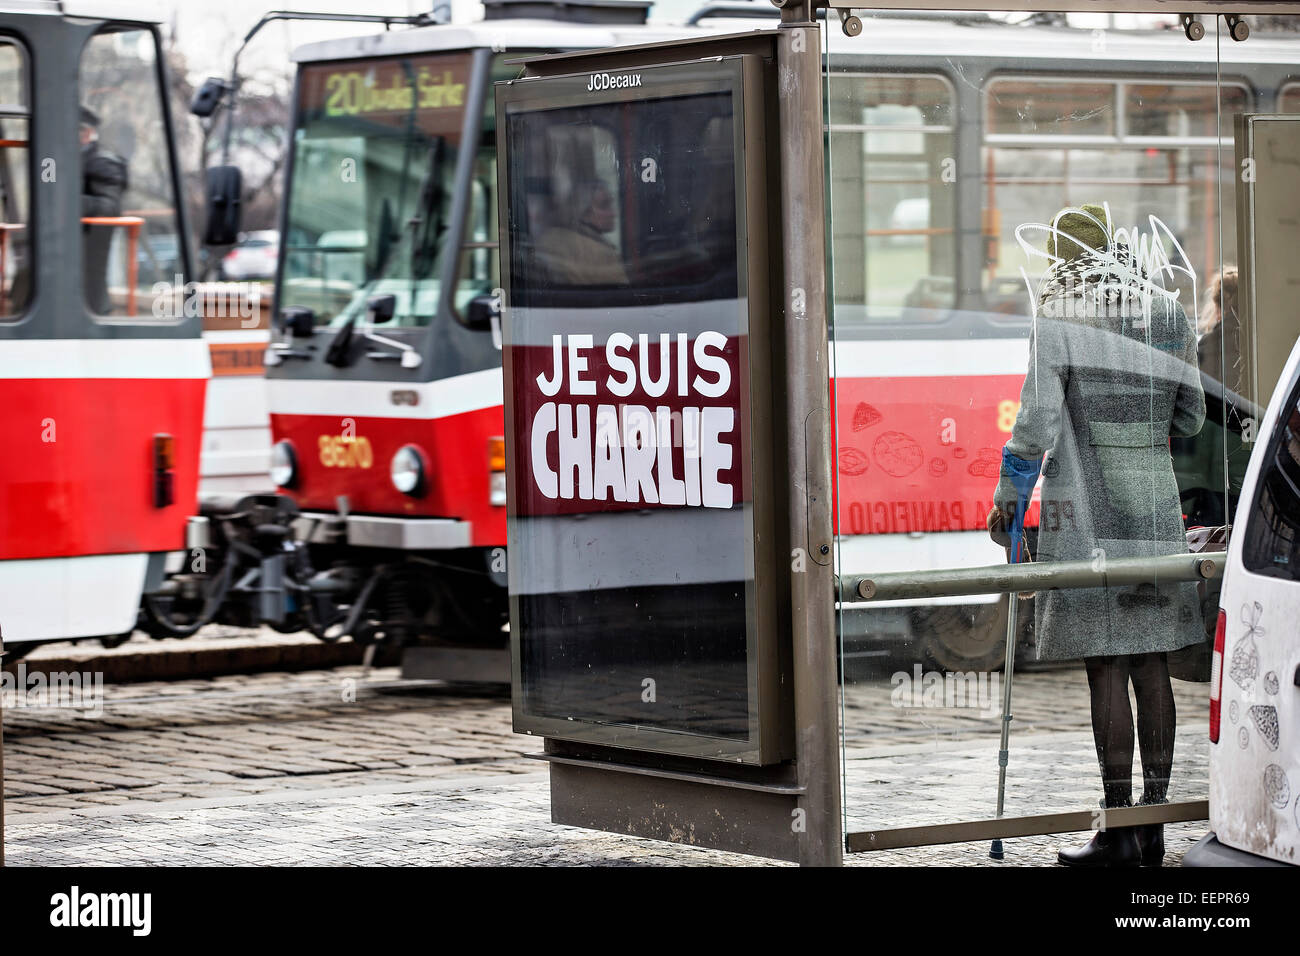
{"x": 256, "y": 561}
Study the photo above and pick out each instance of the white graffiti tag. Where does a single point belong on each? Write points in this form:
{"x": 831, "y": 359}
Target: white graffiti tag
{"x": 1134, "y": 270}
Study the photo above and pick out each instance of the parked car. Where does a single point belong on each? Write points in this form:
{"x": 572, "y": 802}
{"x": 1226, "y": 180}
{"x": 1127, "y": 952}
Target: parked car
{"x": 1255, "y": 681}
{"x": 253, "y": 257}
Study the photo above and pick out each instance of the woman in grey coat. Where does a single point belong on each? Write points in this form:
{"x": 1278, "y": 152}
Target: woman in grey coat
{"x": 1112, "y": 375}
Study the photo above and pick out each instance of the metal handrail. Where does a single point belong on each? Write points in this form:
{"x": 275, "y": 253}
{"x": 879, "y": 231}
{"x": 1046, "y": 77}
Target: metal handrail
{"x": 1045, "y": 576}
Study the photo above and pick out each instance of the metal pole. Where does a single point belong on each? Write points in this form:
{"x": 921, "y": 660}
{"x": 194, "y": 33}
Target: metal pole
{"x": 1047, "y": 576}
{"x": 812, "y": 591}
{"x": 1004, "y": 751}
{"x": 232, "y": 87}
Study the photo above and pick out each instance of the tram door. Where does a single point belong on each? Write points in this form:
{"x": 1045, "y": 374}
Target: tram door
{"x": 1037, "y": 306}
{"x": 103, "y": 372}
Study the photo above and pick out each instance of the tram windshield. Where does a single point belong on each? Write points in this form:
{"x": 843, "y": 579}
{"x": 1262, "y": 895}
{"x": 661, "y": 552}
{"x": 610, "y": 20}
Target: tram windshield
{"x": 374, "y": 159}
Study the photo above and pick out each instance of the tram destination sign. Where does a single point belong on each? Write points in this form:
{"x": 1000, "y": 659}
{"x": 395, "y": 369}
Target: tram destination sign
{"x": 636, "y": 366}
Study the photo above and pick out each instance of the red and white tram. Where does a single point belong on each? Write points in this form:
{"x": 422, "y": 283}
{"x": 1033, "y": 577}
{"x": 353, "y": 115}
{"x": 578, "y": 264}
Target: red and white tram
{"x": 103, "y": 398}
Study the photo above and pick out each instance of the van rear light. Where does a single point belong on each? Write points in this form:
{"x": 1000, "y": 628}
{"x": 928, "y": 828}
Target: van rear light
{"x": 497, "y": 471}
{"x": 1216, "y": 675}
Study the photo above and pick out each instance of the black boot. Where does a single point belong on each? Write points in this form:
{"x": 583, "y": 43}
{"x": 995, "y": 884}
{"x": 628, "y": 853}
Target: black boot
{"x": 1151, "y": 836}
{"x": 1106, "y": 848}
{"x": 1151, "y": 843}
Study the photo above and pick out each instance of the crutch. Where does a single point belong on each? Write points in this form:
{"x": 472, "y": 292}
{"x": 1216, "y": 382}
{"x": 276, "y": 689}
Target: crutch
{"x": 1024, "y": 475}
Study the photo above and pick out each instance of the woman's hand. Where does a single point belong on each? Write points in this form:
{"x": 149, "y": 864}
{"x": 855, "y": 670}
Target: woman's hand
{"x": 997, "y": 525}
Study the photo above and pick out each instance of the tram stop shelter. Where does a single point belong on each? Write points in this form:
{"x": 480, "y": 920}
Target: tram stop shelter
{"x": 773, "y": 304}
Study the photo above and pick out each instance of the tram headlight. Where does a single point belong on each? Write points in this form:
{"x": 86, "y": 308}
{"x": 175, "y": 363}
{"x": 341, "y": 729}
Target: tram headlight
{"x": 284, "y": 464}
{"x": 407, "y": 471}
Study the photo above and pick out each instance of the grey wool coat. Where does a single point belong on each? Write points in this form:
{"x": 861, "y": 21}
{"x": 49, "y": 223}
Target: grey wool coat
{"x": 1108, "y": 383}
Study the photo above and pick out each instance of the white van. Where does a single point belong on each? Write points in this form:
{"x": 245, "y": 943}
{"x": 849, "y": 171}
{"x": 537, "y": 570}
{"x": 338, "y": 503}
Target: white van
{"x": 1255, "y": 683}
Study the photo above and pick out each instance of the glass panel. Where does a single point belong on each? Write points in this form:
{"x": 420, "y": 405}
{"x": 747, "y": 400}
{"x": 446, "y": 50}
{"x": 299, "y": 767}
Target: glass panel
{"x": 130, "y": 237}
{"x": 15, "y": 182}
{"x": 375, "y": 153}
{"x": 598, "y": 253}
{"x": 1087, "y": 208}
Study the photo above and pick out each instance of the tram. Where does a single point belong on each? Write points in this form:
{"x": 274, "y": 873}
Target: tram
{"x": 103, "y": 392}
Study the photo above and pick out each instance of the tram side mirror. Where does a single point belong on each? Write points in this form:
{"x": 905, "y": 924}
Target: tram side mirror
{"x": 225, "y": 185}
{"x": 480, "y": 312}
{"x": 208, "y": 97}
{"x": 299, "y": 321}
{"x": 381, "y": 308}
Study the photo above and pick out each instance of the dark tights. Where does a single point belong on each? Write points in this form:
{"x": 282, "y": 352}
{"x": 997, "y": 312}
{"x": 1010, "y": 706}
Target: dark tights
{"x": 1112, "y": 724}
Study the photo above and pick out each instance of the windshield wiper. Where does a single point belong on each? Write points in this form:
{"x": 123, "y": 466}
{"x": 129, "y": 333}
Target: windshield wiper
{"x": 379, "y": 309}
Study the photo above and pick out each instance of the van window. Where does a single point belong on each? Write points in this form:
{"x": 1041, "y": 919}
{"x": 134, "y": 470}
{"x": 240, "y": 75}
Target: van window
{"x": 1272, "y": 543}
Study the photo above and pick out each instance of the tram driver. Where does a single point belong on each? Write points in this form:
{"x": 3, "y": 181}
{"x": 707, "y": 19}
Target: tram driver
{"x": 574, "y": 251}
{"x": 103, "y": 181}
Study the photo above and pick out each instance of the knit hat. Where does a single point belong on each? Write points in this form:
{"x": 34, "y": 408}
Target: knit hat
{"x": 1077, "y": 229}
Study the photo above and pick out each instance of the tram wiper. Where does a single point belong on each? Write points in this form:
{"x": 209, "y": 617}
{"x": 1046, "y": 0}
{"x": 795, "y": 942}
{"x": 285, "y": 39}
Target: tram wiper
{"x": 380, "y": 308}
{"x": 339, "y": 354}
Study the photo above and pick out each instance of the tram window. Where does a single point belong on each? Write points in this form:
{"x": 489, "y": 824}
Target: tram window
{"x": 1041, "y": 105}
{"x": 1158, "y": 158}
{"x": 1288, "y": 98}
{"x": 15, "y": 166}
{"x": 371, "y": 188}
{"x": 891, "y": 135}
{"x": 1183, "y": 109}
{"x": 480, "y": 270}
{"x": 130, "y": 232}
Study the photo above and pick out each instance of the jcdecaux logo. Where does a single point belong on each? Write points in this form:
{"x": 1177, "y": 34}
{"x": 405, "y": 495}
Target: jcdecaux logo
{"x": 606, "y": 81}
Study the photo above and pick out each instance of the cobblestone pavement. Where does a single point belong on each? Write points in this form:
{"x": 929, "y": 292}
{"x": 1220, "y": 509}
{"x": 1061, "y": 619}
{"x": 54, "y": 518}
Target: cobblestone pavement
{"x": 356, "y": 767}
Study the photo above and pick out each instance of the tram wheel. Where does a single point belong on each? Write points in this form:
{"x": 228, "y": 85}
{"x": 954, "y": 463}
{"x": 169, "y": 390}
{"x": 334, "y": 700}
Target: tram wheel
{"x": 965, "y": 637}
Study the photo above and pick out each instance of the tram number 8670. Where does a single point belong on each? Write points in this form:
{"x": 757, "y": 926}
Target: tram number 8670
{"x": 338, "y": 451}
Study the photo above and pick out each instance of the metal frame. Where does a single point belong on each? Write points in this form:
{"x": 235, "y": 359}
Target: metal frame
{"x": 1004, "y": 578}
{"x": 791, "y": 810}
{"x": 970, "y": 831}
